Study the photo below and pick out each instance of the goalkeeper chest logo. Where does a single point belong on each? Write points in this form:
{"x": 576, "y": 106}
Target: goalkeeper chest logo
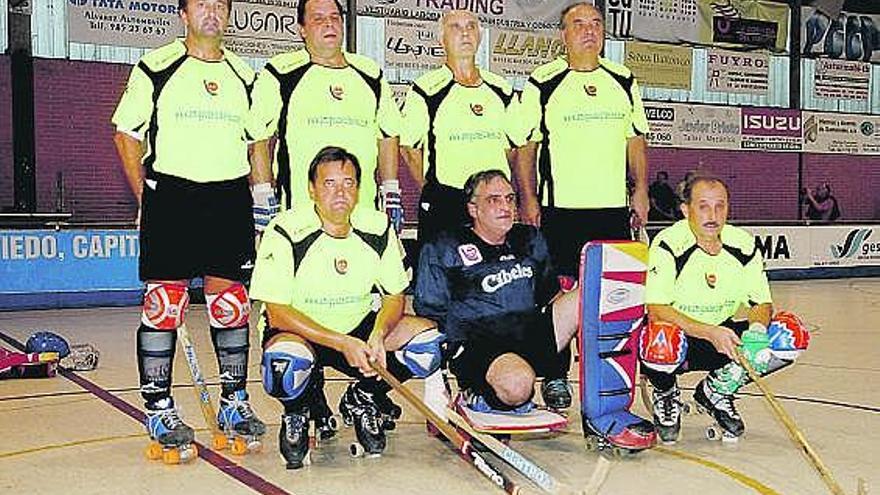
{"x": 492, "y": 282}
{"x": 211, "y": 87}
{"x": 337, "y": 92}
{"x": 469, "y": 254}
{"x": 477, "y": 109}
{"x": 341, "y": 266}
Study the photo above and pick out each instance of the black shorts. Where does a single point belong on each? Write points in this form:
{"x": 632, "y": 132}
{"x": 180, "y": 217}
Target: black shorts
{"x": 567, "y": 230}
{"x": 470, "y": 360}
{"x": 191, "y": 229}
{"x": 441, "y": 208}
{"x": 325, "y": 356}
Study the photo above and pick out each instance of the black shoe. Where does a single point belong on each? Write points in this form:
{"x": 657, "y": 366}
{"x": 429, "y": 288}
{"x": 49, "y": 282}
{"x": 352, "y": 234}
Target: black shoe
{"x": 359, "y": 408}
{"x": 293, "y": 439}
{"x": 556, "y": 394}
{"x": 721, "y": 408}
{"x": 667, "y": 413}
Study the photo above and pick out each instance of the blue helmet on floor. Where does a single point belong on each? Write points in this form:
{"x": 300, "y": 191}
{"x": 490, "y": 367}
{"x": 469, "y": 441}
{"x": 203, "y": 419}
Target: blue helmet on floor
{"x": 44, "y": 341}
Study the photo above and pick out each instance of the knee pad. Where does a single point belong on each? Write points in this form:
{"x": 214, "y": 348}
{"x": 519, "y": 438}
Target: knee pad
{"x": 788, "y": 335}
{"x": 663, "y": 346}
{"x": 164, "y": 306}
{"x": 287, "y": 367}
{"x": 230, "y": 308}
{"x": 423, "y": 353}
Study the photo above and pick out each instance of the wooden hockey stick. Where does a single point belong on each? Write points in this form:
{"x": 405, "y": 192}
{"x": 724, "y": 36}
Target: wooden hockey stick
{"x": 794, "y": 432}
{"x": 463, "y": 446}
{"x": 524, "y": 466}
{"x": 218, "y": 438}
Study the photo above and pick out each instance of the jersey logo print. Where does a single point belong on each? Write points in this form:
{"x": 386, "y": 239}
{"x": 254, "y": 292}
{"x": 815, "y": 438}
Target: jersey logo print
{"x": 211, "y": 87}
{"x": 341, "y": 265}
{"x": 477, "y": 109}
{"x": 337, "y": 92}
{"x": 470, "y": 254}
{"x": 710, "y": 280}
{"x": 590, "y": 90}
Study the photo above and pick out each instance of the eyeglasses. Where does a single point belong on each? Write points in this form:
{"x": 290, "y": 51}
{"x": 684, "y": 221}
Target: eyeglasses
{"x": 500, "y": 200}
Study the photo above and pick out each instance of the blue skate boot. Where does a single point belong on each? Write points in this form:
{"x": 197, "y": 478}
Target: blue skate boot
{"x": 170, "y": 438}
{"x": 237, "y": 421}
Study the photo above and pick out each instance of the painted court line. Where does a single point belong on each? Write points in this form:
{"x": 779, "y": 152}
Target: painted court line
{"x": 225, "y": 465}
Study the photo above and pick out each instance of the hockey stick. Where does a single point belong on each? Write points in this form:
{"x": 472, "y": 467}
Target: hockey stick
{"x": 218, "y": 439}
{"x": 794, "y": 432}
{"x": 464, "y": 448}
{"x": 524, "y": 466}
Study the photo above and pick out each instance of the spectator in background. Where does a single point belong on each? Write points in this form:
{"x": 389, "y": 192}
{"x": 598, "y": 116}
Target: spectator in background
{"x": 821, "y": 204}
{"x": 679, "y": 194}
{"x": 662, "y": 198}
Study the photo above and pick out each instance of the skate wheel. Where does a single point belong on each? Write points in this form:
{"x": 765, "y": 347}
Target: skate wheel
{"x": 712, "y": 433}
{"x": 333, "y": 423}
{"x": 727, "y": 438}
{"x": 239, "y": 447}
{"x": 688, "y": 409}
{"x": 188, "y": 453}
{"x": 154, "y": 451}
{"x": 254, "y": 446}
{"x": 171, "y": 456}
{"x": 355, "y": 449}
{"x": 219, "y": 441}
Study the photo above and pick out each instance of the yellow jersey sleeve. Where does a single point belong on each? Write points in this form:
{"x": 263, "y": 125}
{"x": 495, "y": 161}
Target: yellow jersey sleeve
{"x": 638, "y": 118}
{"x": 526, "y": 116}
{"x": 262, "y": 120}
{"x": 660, "y": 284}
{"x": 392, "y": 275}
{"x": 132, "y": 115}
{"x": 415, "y": 120}
{"x": 388, "y": 114}
{"x": 757, "y": 287}
{"x": 273, "y": 280}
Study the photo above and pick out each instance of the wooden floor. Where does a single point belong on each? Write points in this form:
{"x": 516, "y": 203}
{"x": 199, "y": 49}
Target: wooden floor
{"x": 76, "y": 434}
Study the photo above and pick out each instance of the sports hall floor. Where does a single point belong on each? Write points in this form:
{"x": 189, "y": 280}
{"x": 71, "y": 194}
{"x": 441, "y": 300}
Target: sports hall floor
{"x": 73, "y": 434}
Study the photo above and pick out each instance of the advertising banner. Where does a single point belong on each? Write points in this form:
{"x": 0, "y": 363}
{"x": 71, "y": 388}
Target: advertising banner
{"x": 263, "y": 28}
{"x": 660, "y": 66}
{"x": 845, "y": 245}
{"x": 523, "y": 15}
{"x": 783, "y": 247}
{"x": 842, "y": 79}
{"x": 771, "y": 129}
{"x": 516, "y": 53}
{"x": 846, "y": 35}
{"x": 34, "y": 261}
{"x": 840, "y": 133}
{"x": 737, "y": 72}
{"x": 693, "y": 126}
{"x": 412, "y": 45}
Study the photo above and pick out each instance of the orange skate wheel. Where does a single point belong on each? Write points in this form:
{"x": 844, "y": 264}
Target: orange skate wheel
{"x": 171, "y": 456}
{"x": 154, "y": 451}
{"x": 239, "y": 447}
{"x": 219, "y": 441}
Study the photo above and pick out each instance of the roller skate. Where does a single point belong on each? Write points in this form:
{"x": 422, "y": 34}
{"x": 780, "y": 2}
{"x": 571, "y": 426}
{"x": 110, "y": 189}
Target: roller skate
{"x": 628, "y": 442}
{"x": 241, "y": 427}
{"x": 293, "y": 439}
{"x": 326, "y": 424}
{"x": 170, "y": 438}
{"x": 667, "y": 413}
{"x": 389, "y": 411}
{"x": 728, "y": 426}
{"x": 358, "y": 408}
{"x": 556, "y": 394}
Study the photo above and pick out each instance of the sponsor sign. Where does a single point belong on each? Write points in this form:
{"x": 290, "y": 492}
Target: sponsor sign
{"x": 693, "y": 126}
{"x": 412, "y": 45}
{"x": 523, "y": 15}
{"x": 140, "y": 24}
{"x": 842, "y": 80}
{"x": 737, "y": 72}
{"x": 818, "y": 246}
{"x": 840, "y": 133}
{"x": 783, "y": 247}
{"x": 257, "y": 28}
{"x": 840, "y": 35}
{"x": 771, "y": 129}
{"x": 653, "y": 20}
{"x": 34, "y": 261}
{"x": 263, "y": 28}
{"x": 515, "y": 53}
{"x": 744, "y": 23}
{"x": 660, "y": 66}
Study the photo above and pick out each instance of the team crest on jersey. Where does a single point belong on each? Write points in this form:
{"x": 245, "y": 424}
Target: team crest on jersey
{"x": 211, "y": 87}
{"x": 337, "y": 92}
{"x": 341, "y": 265}
{"x": 477, "y": 109}
{"x": 470, "y": 254}
{"x": 590, "y": 90}
{"x": 711, "y": 279}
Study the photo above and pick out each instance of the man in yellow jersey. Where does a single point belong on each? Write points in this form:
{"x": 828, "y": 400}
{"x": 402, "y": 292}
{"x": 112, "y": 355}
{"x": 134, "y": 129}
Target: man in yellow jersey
{"x": 315, "y": 270}
{"x": 583, "y": 119}
{"x": 323, "y": 96}
{"x": 182, "y": 139}
{"x": 455, "y": 124}
{"x": 701, "y": 271}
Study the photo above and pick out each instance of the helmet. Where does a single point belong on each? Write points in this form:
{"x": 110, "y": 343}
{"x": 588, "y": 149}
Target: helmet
{"x": 44, "y": 341}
